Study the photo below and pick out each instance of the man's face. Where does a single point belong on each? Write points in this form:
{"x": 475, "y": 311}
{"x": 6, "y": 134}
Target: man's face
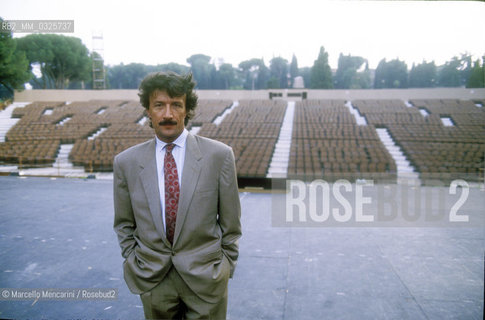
{"x": 167, "y": 115}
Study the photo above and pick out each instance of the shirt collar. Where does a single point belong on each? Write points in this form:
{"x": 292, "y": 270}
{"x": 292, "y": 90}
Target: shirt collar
{"x": 179, "y": 142}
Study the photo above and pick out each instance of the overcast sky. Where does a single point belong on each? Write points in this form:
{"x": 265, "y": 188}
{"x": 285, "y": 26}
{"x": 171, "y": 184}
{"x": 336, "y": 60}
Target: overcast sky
{"x": 158, "y": 32}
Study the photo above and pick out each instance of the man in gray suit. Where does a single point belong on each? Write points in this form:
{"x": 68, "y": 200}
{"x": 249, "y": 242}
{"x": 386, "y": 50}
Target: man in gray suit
{"x": 177, "y": 209}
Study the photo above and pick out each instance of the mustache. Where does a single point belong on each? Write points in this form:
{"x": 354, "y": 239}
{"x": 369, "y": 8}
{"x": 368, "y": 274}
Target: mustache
{"x": 167, "y": 122}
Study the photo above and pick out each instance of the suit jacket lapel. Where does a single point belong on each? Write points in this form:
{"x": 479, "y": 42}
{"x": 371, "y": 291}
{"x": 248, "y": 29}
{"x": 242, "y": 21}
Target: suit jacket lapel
{"x": 149, "y": 178}
{"x": 190, "y": 176}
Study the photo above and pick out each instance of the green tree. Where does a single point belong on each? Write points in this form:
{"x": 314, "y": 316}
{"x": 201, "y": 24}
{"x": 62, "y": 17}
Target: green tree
{"x": 347, "y": 76}
{"x": 130, "y": 76}
{"x": 293, "y": 69}
{"x": 126, "y": 76}
{"x": 361, "y": 80}
{"x": 173, "y": 67}
{"x": 321, "y": 74}
{"x": 201, "y": 69}
{"x": 392, "y": 74}
{"x": 61, "y": 59}
{"x": 449, "y": 73}
{"x": 278, "y": 68}
{"x": 455, "y": 73}
{"x": 14, "y": 66}
{"x": 273, "y": 83}
{"x": 423, "y": 75}
{"x": 95, "y": 58}
{"x": 227, "y": 75}
{"x": 249, "y": 72}
{"x": 465, "y": 68}
{"x": 255, "y": 74}
{"x": 477, "y": 75}
{"x": 263, "y": 76}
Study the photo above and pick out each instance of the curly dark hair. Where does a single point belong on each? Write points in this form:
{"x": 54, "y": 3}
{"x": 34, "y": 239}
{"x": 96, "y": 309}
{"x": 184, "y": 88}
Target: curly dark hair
{"x": 175, "y": 85}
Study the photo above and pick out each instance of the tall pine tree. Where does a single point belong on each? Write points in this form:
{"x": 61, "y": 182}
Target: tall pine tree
{"x": 14, "y": 66}
{"x": 321, "y": 74}
{"x": 293, "y": 69}
{"x": 423, "y": 75}
{"x": 477, "y": 75}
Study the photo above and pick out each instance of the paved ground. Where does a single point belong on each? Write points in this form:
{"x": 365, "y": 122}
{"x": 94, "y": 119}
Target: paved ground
{"x": 58, "y": 234}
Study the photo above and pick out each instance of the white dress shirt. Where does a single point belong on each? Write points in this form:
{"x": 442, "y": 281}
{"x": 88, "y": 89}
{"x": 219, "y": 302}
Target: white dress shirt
{"x": 178, "y": 153}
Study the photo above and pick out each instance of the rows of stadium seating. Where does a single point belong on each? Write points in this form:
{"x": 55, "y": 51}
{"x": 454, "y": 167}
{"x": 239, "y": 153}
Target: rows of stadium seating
{"x": 43, "y": 126}
{"x": 207, "y": 111}
{"x": 251, "y": 129}
{"x": 82, "y": 120}
{"x": 50, "y": 124}
{"x": 323, "y": 111}
{"x": 326, "y": 140}
{"x": 98, "y": 154}
{"x": 435, "y": 150}
{"x": 328, "y": 144}
{"x": 39, "y": 152}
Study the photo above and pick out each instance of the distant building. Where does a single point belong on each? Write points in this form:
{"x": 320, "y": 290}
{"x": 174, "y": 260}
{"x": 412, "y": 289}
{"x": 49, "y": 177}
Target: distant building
{"x": 298, "y": 83}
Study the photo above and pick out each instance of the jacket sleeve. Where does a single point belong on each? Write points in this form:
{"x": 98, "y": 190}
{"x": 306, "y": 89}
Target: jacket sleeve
{"x": 124, "y": 222}
{"x": 229, "y": 210}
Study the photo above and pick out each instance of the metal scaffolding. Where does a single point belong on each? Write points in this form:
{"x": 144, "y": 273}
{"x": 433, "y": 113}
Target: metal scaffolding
{"x": 99, "y": 75}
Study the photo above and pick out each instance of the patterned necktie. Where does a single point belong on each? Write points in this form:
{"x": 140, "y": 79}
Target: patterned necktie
{"x": 172, "y": 191}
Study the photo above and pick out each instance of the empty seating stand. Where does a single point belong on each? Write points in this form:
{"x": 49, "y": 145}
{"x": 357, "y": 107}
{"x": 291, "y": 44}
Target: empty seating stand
{"x": 326, "y": 141}
{"x": 35, "y": 140}
{"x": 125, "y": 131}
{"x": 435, "y": 150}
{"x": 251, "y": 130}
{"x": 207, "y": 111}
{"x": 328, "y": 144}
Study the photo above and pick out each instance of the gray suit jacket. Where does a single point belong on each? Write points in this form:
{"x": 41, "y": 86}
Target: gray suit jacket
{"x": 205, "y": 245}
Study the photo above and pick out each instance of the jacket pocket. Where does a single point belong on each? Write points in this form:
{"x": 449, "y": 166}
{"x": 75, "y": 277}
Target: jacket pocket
{"x": 222, "y": 269}
{"x": 216, "y": 255}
